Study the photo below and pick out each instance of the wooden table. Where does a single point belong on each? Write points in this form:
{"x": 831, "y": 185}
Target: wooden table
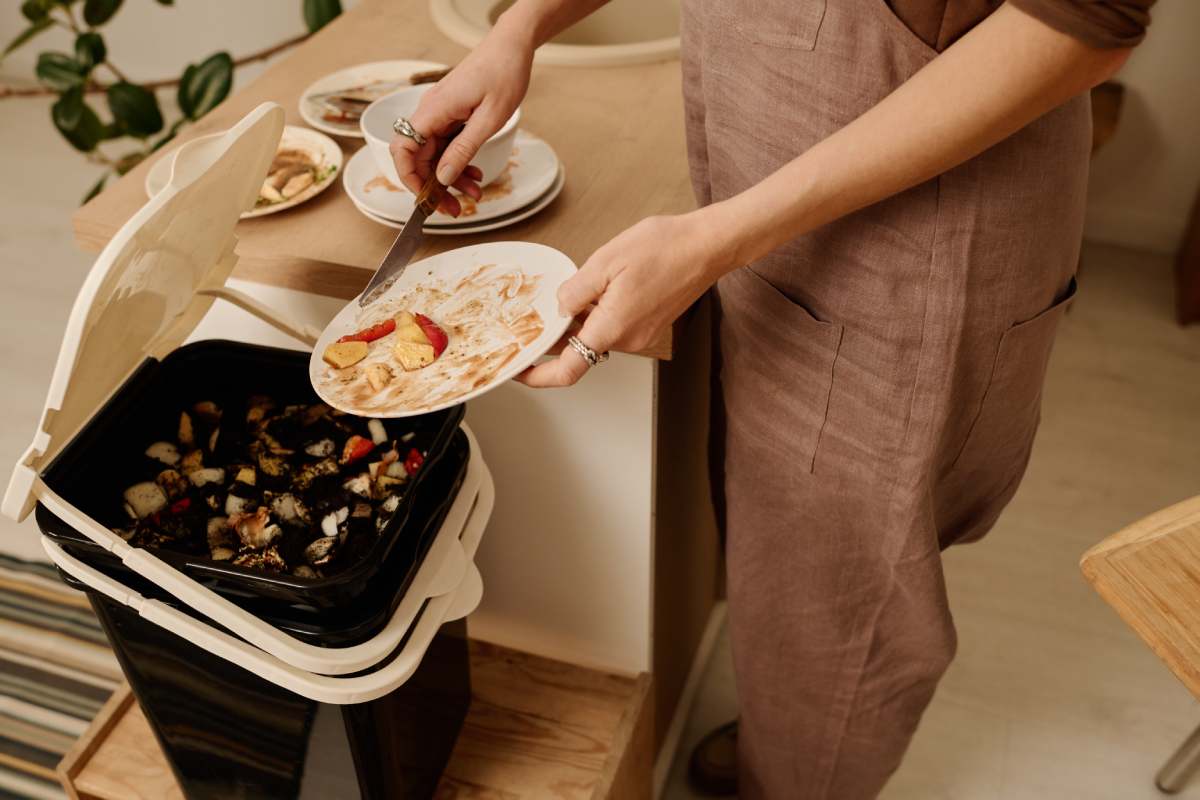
{"x": 1149, "y": 573}
{"x": 617, "y": 130}
{"x": 536, "y": 729}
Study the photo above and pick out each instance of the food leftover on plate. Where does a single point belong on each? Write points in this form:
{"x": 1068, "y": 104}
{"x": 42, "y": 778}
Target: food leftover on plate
{"x": 417, "y": 343}
{"x": 292, "y": 172}
{"x": 296, "y": 489}
{"x": 346, "y": 106}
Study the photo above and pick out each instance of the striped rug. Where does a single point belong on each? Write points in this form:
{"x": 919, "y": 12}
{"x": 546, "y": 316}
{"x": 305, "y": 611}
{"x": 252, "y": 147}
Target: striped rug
{"x": 55, "y": 672}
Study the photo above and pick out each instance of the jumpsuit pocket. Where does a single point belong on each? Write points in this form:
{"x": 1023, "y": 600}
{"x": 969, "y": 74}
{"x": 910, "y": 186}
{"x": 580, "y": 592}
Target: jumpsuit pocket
{"x": 1001, "y": 436}
{"x": 777, "y": 370}
{"x": 791, "y": 26}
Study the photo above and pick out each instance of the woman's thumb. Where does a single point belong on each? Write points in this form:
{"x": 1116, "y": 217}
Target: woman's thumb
{"x": 479, "y": 128}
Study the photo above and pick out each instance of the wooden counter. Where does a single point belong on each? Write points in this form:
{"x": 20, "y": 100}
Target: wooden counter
{"x": 1149, "y": 573}
{"x": 536, "y": 729}
{"x": 617, "y": 130}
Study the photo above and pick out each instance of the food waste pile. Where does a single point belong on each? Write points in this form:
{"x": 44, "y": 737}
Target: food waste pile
{"x": 299, "y": 489}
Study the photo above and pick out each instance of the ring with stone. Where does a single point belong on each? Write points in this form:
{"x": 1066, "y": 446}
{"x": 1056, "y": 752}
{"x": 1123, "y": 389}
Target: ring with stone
{"x": 589, "y": 355}
{"x": 403, "y": 127}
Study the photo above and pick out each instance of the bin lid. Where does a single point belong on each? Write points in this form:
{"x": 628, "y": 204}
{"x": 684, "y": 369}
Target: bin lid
{"x": 140, "y": 298}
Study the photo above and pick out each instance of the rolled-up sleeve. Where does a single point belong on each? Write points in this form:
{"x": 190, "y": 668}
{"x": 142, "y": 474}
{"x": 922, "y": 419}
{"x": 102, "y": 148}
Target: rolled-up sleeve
{"x": 1099, "y": 23}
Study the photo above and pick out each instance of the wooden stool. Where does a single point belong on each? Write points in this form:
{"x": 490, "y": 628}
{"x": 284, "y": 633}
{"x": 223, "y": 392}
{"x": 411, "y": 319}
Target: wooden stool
{"x": 536, "y": 728}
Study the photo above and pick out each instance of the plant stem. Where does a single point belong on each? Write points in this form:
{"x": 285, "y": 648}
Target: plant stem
{"x": 113, "y": 69}
{"x": 94, "y": 87}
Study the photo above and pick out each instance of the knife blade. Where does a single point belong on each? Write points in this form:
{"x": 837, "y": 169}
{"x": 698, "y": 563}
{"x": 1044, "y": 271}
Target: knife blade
{"x": 406, "y": 244}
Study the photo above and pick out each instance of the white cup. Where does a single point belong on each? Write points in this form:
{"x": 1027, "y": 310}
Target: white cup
{"x": 376, "y": 123}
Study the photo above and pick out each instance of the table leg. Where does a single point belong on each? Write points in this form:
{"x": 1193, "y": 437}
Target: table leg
{"x": 1174, "y": 774}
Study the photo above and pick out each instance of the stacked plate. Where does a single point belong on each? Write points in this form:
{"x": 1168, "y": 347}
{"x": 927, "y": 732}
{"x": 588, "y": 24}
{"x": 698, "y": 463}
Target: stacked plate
{"x": 533, "y": 178}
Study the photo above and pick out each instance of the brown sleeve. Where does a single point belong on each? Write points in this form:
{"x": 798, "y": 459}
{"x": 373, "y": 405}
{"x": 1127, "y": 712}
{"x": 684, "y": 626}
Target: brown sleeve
{"x": 1099, "y": 23}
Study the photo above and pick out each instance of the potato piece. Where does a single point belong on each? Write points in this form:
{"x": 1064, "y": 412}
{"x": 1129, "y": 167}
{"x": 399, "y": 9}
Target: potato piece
{"x": 270, "y": 193}
{"x": 407, "y": 329}
{"x": 379, "y": 376}
{"x": 296, "y": 185}
{"x": 412, "y": 355}
{"x": 346, "y": 354}
{"x": 187, "y": 436}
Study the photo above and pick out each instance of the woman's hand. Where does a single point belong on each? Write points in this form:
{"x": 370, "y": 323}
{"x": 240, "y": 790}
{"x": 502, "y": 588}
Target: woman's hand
{"x": 640, "y": 282}
{"x": 482, "y": 91}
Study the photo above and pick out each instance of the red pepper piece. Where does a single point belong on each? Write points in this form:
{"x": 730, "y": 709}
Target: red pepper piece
{"x": 372, "y": 333}
{"x": 180, "y": 506}
{"x": 433, "y": 332}
{"x": 356, "y": 447}
{"x": 414, "y": 461}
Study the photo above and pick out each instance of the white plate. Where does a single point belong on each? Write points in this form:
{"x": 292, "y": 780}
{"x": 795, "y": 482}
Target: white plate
{"x": 532, "y": 169}
{"x": 319, "y": 147}
{"x": 356, "y": 76}
{"x": 497, "y": 301}
{"x": 511, "y": 218}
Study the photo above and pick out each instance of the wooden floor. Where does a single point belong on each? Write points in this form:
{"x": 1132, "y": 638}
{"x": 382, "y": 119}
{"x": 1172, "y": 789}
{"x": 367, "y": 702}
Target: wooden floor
{"x": 1051, "y": 696}
{"x": 537, "y": 729}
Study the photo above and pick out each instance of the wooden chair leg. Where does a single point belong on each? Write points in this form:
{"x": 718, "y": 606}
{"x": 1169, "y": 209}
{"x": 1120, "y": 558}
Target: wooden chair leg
{"x": 1178, "y": 770}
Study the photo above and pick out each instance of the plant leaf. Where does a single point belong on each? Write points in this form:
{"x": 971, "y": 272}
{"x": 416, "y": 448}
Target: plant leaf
{"x": 76, "y": 120}
{"x": 204, "y": 85}
{"x": 98, "y": 12}
{"x": 59, "y": 71}
{"x": 90, "y": 49}
{"x": 318, "y": 13}
{"x": 95, "y": 190}
{"x": 34, "y": 10}
{"x": 27, "y": 34}
{"x": 135, "y": 108}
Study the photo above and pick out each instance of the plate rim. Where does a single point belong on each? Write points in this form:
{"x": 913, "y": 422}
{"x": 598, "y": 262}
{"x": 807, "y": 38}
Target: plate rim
{"x": 367, "y": 158}
{"x": 496, "y": 223}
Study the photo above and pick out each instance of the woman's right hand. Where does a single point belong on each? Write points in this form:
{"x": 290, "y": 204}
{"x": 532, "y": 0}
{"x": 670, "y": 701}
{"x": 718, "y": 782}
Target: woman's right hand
{"x": 482, "y": 91}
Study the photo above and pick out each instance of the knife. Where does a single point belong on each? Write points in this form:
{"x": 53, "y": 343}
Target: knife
{"x": 401, "y": 251}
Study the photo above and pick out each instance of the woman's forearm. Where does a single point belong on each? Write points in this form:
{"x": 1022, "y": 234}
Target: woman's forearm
{"x": 1002, "y": 75}
{"x": 534, "y": 22}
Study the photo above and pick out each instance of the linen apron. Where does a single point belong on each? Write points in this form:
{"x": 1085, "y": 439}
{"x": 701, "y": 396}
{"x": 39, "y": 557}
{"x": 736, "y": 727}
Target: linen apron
{"x": 881, "y": 381}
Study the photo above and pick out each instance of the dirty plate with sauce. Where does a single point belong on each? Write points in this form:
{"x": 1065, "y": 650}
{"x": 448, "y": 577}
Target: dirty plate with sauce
{"x": 532, "y": 169}
{"x": 453, "y": 326}
{"x": 334, "y": 103}
{"x": 305, "y": 165}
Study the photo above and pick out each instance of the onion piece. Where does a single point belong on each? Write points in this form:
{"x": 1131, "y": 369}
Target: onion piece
{"x": 165, "y": 452}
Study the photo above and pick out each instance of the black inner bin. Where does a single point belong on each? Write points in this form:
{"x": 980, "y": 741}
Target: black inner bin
{"x": 96, "y": 466}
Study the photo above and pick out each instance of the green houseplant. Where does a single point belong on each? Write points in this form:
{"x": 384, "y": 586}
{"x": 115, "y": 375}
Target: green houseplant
{"x": 135, "y": 121}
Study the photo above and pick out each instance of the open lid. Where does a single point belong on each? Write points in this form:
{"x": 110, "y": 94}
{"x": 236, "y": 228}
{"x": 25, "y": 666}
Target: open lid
{"x": 141, "y": 297}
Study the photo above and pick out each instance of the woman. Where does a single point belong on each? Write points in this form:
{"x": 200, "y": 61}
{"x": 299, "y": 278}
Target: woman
{"x": 906, "y": 182}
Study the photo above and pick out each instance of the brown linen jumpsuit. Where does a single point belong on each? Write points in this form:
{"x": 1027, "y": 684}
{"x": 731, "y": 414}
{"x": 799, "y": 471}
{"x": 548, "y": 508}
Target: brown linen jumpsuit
{"x": 881, "y": 377}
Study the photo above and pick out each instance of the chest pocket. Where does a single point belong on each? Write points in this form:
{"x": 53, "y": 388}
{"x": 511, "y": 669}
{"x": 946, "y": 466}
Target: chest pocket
{"x": 787, "y": 24}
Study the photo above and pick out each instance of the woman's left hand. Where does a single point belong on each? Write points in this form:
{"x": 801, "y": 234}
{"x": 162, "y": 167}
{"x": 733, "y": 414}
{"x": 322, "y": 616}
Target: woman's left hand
{"x": 640, "y": 282}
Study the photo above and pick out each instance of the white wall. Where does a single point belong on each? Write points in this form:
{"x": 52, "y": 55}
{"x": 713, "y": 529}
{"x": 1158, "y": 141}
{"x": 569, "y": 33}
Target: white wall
{"x": 1145, "y": 179}
{"x": 149, "y": 41}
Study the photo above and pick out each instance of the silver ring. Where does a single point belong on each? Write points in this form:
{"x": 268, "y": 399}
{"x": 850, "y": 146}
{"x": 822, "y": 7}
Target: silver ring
{"x": 405, "y": 128}
{"x": 589, "y": 355}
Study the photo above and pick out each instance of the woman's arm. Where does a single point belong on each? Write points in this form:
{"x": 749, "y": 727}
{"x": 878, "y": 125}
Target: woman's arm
{"x": 482, "y": 91}
{"x": 1005, "y": 73}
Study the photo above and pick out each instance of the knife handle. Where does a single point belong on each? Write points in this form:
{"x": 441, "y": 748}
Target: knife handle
{"x": 431, "y": 193}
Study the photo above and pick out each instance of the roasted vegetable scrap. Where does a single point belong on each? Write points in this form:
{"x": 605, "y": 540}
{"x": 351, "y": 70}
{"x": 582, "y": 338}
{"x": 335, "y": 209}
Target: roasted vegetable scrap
{"x": 299, "y": 489}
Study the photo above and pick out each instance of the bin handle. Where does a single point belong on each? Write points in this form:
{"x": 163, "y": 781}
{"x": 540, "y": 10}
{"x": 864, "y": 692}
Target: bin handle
{"x": 441, "y": 571}
{"x": 322, "y": 688}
